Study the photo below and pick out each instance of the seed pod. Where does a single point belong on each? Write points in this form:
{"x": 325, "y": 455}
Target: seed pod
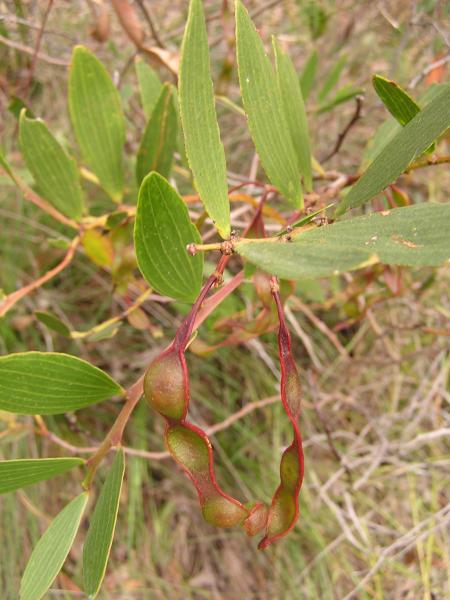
{"x": 284, "y": 510}
{"x": 293, "y": 389}
{"x": 166, "y": 385}
{"x": 223, "y": 511}
{"x": 256, "y": 520}
{"x": 166, "y": 388}
{"x": 191, "y": 448}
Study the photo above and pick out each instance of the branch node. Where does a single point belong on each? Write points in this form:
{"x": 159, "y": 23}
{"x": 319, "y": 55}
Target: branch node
{"x": 192, "y": 249}
{"x": 227, "y": 247}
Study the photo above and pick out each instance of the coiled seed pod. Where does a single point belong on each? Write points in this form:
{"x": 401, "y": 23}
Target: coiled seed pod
{"x": 191, "y": 448}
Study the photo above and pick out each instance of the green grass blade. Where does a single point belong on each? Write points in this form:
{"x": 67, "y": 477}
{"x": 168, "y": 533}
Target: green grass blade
{"x": 308, "y": 75}
{"x": 331, "y": 79}
{"x": 345, "y": 94}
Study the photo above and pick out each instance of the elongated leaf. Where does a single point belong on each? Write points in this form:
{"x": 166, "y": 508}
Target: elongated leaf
{"x": 48, "y": 383}
{"x": 383, "y": 135}
{"x": 315, "y": 17}
{"x": 404, "y": 147}
{"x": 16, "y": 474}
{"x": 162, "y": 231}
{"x": 389, "y": 128}
{"x": 414, "y": 236}
{"x": 348, "y": 92}
{"x": 51, "y": 550}
{"x": 180, "y": 142}
{"x": 308, "y": 75}
{"x": 264, "y": 108}
{"x": 97, "y": 120}
{"x": 53, "y": 170}
{"x": 104, "y": 331}
{"x": 150, "y": 86}
{"x": 332, "y": 78}
{"x": 160, "y": 138}
{"x": 204, "y": 148}
{"x": 398, "y": 102}
{"x": 294, "y": 109}
{"x": 101, "y": 529}
{"x": 53, "y": 322}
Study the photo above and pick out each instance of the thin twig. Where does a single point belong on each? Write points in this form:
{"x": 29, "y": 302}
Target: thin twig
{"x": 115, "y": 434}
{"x": 434, "y": 65}
{"x": 31, "y": 196}
{"x": 263, "y": 7}
{"x": 225, "y": 424}
{"x": 218, "y": 15}
{"x": 304, "y": 338}
{"x": 37, "y": 47}
{"x": 334, "y": 451}
{"x": 428, "y": 162}
{"x": 341, "y": 137}
{"x": 116, "y": 319}
{"x": 213, "y": 301}
{"x": 248, "y": 408}
{"x": 19, "y": 21}
{"x": 321, "y": 326}
{"x": 149, "y": 20}
{"x": 14, "y": 297}
{"x": 59, "y": 62}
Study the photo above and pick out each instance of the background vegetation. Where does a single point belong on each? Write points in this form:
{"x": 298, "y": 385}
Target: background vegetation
{"x": 373, "y": 346}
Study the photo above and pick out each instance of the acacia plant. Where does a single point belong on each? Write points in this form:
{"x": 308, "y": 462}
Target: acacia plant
{"x": 319, "y": 235}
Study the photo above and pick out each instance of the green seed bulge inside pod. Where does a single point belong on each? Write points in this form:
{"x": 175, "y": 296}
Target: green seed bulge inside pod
{"x": 257, "y": 519}
{"x": 189, "y": 448}
{"x": 289, "y": 468}
{"x": 281, "y": 513}
{"x": 221, "y": 512}
{"x": 165, "y": 386}
{"x": 293, "y": 390}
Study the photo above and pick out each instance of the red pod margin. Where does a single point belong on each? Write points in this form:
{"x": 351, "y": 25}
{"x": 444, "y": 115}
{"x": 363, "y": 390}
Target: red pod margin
{"x": 192, "y": 450}
{"x": 284, "y": 510}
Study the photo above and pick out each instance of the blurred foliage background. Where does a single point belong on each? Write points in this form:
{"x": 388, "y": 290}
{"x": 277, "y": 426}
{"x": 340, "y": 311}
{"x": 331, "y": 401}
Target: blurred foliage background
{"x": 373, "y": 346}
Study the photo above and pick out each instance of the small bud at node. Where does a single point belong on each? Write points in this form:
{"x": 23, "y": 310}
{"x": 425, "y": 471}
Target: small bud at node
{"x": 192, "y": 249}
